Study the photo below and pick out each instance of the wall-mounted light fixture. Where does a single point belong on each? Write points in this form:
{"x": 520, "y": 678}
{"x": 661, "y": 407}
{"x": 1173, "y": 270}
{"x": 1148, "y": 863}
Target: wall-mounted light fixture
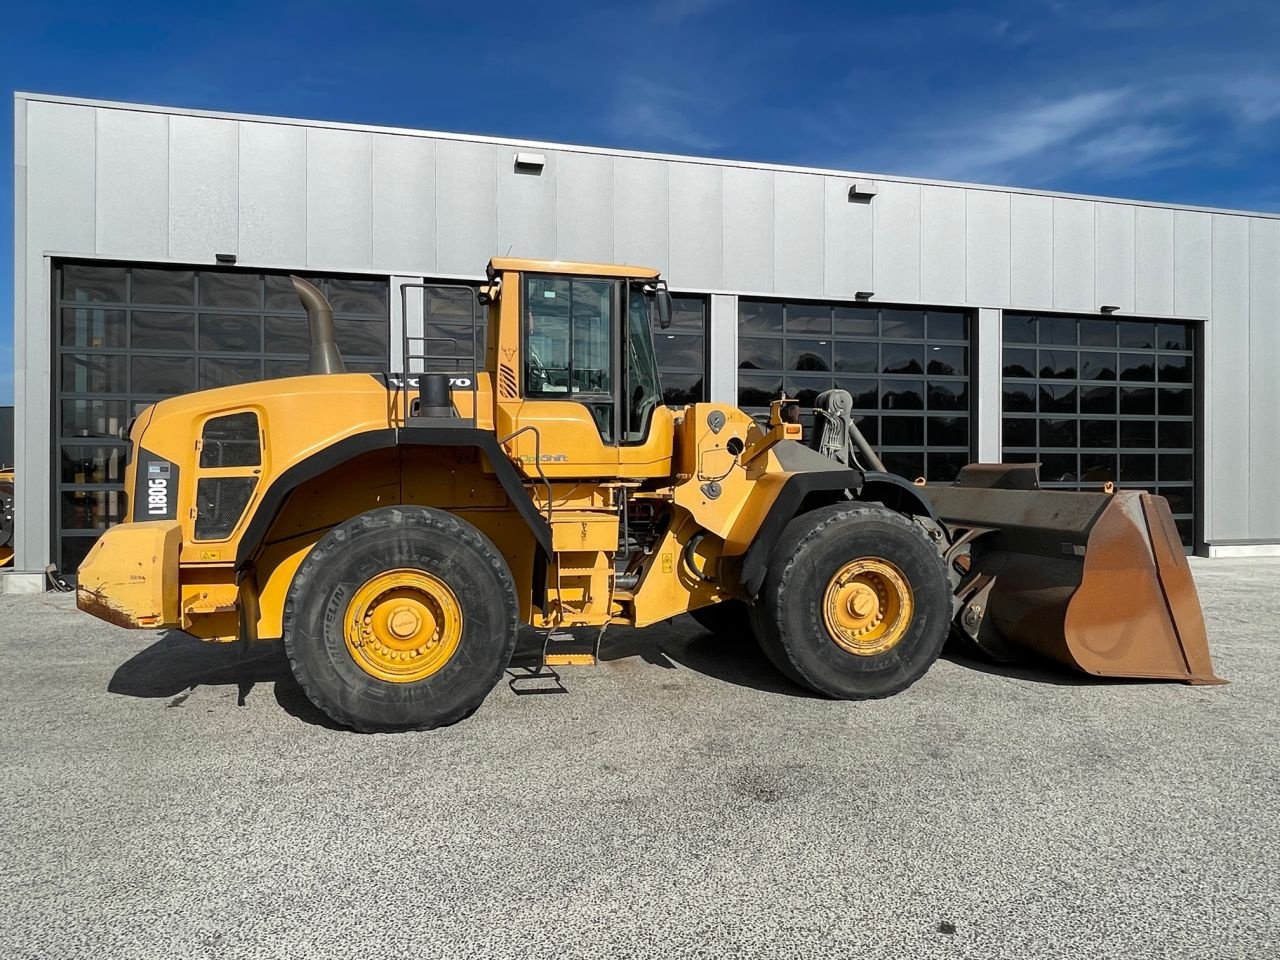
{"x": 1108, "y": 308}
{"x": 530, "y": 162}
{"x": 861, "y": 191}
{"x": 225, "y": 258}
{"x": 864, "y": 294}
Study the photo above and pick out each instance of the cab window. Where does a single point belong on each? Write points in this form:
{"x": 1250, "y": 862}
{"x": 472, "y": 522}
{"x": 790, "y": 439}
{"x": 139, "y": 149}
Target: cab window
{"x": 568, "y": 346}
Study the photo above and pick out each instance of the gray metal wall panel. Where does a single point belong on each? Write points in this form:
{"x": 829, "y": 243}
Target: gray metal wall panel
{"x": 61, "y": 142}
{"x": 987, "y": 247}
{"x": 404, "y": 204}
{"x": 1154, "y": 262}
{"x": 132, "y": 193}
{"x": 1227, "y": 430}
{"x": 584, "y": 207}
{"x": 1114, "y": 271}
{"x": 466, "y": 206}
{"x": 696, "y": 226}
{"x": 204, "y": 177}
{"x": 641, "y": 212}
{"x": 1193, "y": 257}
{"x": 896, "y": 248}
{"x": 273, "y": 194}
{"x": 526, "y": 208}
{"x": 1073, "y": 255}
{"x": 722, "y": 386}
{"x": 986, "y": 385}
{"x": 339, "y": 200}
{"x": 748, "y": 230}
{"x": 848, "y": 264}
{"x": 1030, "y": 250}
{"x": 797, "y": 233}
{"x": 942, "y": 245}
{"x": 1264, "y": 379}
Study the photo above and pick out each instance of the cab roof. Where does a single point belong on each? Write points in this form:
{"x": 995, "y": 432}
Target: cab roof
{"x": 499, "y": 264}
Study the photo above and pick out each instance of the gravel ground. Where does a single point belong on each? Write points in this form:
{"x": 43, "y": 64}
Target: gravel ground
{"x": 164, "y": 798}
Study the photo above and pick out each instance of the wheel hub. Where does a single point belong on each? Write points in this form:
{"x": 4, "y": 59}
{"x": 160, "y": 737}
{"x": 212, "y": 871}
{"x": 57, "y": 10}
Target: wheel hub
{"x": 403, "y": 625}
{"x": 868, "y": 606}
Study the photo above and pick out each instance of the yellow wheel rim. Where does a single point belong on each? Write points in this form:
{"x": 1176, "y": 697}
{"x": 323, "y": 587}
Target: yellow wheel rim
{"x": 867, "y": 607}
{"x": 403, "y": 625}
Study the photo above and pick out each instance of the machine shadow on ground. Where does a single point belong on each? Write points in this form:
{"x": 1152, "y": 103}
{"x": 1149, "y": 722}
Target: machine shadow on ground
{"x": 177, "y": 663}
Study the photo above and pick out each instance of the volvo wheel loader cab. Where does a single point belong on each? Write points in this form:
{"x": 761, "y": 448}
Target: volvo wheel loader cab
{"x": 397, "y": 530}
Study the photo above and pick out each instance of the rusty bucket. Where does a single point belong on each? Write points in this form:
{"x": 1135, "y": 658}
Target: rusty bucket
{"x": 1096, "y": 581}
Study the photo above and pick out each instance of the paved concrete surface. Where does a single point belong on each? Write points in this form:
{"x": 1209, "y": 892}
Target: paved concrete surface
{"x": 161, "y": 799}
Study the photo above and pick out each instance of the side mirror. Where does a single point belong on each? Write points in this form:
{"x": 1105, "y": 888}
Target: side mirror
{"x": 663, "y": 299}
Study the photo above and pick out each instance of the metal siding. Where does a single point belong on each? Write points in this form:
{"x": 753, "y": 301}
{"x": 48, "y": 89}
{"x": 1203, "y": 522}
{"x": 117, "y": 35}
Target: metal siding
{"x": 1030, "y": 251}
{"x": 61, "y": 143}
{"x": 748, "y": 230}
{"x": 404, "y": 301}
{"x": 273, "y": 194}
{"x": 847, "y": 265}
{"x": 526, "y": 208}
{"x": 986, "y": 383}
{"x": 1193, "y": 275}
{"x": 339, "y": 200}
{"x": 722, "y": 335}
{"x": 1114, "y": 269}
{"x": 466, "y": 206}
{"x": 1154, "y": 281}
{"x": 641, "y": 212}
{"x": 696, "y": 226}
{"x": 896, "y": 245}
{"x": 1264, "y": 383}
{"x": 1073, "y": 255}
{"x": 987, "y": 247}
{"x": 132, "y": 194}
{"x": 204, "y": 180}
{"x": 797, "y": 233}
{"x": 404, "y": 204}
{"x": 1227, "y": 430}
{"x": 584, "y": 207}
{"x": 942, "y": 245}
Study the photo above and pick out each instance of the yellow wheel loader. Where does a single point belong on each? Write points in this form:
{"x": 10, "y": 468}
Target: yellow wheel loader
{"x": 396, "y": 530}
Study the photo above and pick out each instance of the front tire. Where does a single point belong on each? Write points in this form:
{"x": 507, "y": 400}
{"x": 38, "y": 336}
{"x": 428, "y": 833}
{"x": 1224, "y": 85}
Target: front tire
{"x": 403, "y": 618}
{"x": 855, "y": 603}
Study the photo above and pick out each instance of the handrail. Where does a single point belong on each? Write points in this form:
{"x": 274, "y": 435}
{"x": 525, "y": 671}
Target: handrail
{"x": 407, "y": 355}
{"x": 537, "y": 459}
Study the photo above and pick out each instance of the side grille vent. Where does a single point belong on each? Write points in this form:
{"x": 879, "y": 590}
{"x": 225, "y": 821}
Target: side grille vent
{"x": 231, "y": 441}
{"x": 507, "y": 381}
{"x": 220, "y": 502}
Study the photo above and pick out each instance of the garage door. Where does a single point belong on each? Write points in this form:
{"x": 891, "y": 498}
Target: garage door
{"x": 906, "y": 369}
{"x": 1097, "y": 400}
{"x": 130, "y": 335}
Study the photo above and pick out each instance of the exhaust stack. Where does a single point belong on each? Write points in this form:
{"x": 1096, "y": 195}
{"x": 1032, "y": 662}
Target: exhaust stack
{"x": 325, "y": 357}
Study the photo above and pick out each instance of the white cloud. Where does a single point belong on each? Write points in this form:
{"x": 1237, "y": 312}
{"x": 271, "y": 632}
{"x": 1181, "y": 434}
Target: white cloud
{"x": 649, "y": 112}
{"x": 1122, "y": 129}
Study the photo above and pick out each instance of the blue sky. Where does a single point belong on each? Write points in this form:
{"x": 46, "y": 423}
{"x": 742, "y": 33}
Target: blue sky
{"x": 1175, "y": 100}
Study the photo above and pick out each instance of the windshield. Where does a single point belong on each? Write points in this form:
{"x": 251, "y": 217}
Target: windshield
{"x": 644, "y": 391}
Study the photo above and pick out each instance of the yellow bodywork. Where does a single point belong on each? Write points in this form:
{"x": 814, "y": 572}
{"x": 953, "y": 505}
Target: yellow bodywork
{"x": 709, "y": 470}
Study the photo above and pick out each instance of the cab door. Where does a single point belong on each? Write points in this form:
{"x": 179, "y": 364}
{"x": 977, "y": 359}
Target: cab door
{"x": 568, "y": 354}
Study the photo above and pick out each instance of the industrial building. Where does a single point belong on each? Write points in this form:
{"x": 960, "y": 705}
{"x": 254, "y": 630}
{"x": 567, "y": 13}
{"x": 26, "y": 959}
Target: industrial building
{"x": 1110, "y": 340}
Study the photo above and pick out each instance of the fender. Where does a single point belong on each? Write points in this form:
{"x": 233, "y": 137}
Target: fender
{"x": 898, "y": 494}
{"x": 817, "y": 487}
{"x": 804, "y": 491}
{"x": 362, "y": 443}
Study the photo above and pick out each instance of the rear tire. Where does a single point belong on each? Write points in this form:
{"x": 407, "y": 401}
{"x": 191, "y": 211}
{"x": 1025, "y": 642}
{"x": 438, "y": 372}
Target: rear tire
{"x": 805, "y": 619}
{"x": 402, "y": 618}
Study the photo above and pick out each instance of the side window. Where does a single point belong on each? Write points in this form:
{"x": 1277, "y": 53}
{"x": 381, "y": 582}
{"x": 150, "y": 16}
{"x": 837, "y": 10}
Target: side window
{"x": 568, "y": 349}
